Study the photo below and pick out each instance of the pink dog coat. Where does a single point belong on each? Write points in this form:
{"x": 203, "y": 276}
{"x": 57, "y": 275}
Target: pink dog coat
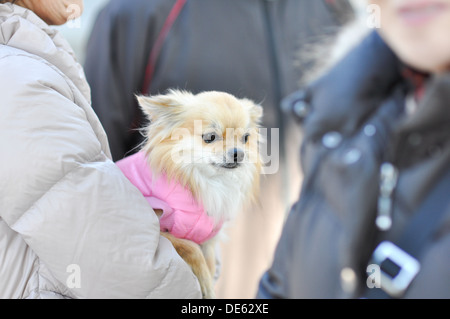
{"x": 182, "y": 215}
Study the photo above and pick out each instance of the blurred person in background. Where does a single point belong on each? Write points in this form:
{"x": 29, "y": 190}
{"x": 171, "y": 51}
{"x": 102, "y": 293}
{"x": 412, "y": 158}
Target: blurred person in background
{"x": 373, "y": 217}
{"x": 248, "y": 48}
{"x": 71, "y": 224}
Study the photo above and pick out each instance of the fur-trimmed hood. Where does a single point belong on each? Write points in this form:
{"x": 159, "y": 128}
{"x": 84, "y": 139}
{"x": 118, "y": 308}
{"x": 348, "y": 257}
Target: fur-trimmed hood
{"x": 355, "y": 122}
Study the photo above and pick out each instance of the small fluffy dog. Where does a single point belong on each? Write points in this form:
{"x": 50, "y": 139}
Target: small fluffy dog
{"x": 198, "y": 167}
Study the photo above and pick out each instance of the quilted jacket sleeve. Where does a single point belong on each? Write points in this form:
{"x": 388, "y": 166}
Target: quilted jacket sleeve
{"x": 69, "y": 201}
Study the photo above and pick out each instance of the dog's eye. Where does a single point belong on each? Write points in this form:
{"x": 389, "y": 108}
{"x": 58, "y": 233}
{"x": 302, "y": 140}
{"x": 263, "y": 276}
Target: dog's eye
{"x": 245, "y": 138}
{"x": 209, "y": 138}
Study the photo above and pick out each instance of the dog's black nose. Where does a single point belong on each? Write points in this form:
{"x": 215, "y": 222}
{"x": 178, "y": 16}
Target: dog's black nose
{"x": 236, "y": 155}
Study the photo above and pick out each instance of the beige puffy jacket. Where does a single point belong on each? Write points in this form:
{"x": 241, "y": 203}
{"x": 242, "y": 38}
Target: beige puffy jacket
{"x": 71, "y": 225}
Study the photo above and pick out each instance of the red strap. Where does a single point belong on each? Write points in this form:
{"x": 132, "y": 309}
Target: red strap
{"x": 417, "y": 80}
{"x": 171, "y": 18}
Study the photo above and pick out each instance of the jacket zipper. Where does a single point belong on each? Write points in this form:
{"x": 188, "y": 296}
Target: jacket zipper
{"x": 388, "y": 182}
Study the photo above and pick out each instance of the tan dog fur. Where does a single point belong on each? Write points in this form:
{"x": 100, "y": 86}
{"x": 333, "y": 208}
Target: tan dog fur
{"x": 204, "y": 166}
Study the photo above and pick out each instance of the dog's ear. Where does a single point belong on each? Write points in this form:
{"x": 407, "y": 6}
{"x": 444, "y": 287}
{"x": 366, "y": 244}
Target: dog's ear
{"x": 255, "y": 111}
{"x": 159, "y": 107}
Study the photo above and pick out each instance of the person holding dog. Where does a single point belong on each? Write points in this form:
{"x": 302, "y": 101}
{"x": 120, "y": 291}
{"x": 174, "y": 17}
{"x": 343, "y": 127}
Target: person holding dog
{"x": 71, "y": 224}
{"x": 248, "y": 48}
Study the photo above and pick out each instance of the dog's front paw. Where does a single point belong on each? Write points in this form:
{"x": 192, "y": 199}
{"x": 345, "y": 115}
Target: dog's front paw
{"x": 192, "y": 254}
{"x": 201, "y": 271}
{"x": 207, "y": 290}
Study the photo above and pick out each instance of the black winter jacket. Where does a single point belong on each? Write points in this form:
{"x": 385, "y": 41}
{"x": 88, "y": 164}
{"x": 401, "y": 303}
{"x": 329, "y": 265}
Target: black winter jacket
{"x": 357, "y": 122}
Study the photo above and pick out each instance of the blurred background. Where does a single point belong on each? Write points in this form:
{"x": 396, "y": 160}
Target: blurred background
{"x": 78, "y": 32}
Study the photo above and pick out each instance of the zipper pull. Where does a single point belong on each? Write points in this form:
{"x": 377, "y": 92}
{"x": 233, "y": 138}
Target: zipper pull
{"x": 388, "y": 182}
